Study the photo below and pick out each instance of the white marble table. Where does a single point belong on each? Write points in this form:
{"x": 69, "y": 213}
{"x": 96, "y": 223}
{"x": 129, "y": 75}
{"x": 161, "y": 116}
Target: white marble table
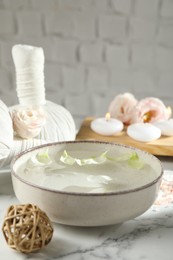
{"x": 148, "y": 237}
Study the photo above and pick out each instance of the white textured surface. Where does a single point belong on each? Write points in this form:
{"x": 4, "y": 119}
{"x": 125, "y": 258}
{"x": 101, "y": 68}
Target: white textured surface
{"x": 6, "y": 136}
{"x": 115, "y": 46}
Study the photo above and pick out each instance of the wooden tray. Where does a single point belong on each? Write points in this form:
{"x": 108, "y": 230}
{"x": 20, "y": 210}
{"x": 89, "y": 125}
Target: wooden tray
{"x": 162, "y": 146}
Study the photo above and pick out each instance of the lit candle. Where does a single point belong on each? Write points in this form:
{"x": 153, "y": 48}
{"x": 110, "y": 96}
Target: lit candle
{"x": 107, "y": 125}
{"x": 169, "y": 111}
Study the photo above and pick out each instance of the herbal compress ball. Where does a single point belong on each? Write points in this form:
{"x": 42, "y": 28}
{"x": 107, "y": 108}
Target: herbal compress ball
{"x": 27, "y": 228}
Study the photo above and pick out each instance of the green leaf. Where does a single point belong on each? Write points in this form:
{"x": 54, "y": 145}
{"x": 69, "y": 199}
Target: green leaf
{"x": 135, "y": 162}
{"x": 133, "y": 159}
{"x": 67, "y": 159}
{"x": 43, "y": 157}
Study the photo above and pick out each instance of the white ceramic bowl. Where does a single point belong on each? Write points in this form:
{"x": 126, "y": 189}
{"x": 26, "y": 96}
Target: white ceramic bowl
{"x": 83, "y": 208}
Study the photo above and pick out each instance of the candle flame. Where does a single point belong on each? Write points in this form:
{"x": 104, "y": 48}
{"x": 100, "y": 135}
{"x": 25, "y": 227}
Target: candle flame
{"x": 169, "y": 111}
{"x": 108, "y": 116}
{"x": 147, "y": 117}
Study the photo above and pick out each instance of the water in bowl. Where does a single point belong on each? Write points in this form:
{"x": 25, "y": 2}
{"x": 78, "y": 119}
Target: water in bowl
{"x": 108, "y": 175}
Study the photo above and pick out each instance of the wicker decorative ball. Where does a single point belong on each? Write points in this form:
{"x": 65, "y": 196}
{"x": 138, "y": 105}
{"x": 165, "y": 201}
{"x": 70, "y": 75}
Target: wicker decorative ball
{"x": 27, "y": 228}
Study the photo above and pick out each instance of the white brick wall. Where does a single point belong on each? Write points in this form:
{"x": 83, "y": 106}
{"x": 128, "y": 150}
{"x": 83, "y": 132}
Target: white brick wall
{"x": 167, "y": 9}
{"x": 117, "y": 56}
{"x": 91, "y": 53}
{"x": 59, "y": 23}
{"x": 112, "y": 27}
{"x": 165, "y": 33}
{"x": 98, "y": 79}
{"x": 7, "y": 23}
{"x": 143, "y": 30}
{"x": 146, "y": 8}
{"x": 94, "y": 49}
{"x": 122, "y": 6}
{"x": 143, "y": 55}
{"x": 164, "y": 59}
{"x": 66, "y": 51}
{"x": 120, "y": 81}
{"x": 52, "y": 69}
{"x": 74, "y": 79}
{"x": 79, "y": 102}
{"x": 26, "y": 27}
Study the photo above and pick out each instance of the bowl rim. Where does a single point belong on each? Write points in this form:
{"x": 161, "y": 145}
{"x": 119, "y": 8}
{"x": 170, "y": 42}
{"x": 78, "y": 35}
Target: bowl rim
{"x": 123, "y": 192}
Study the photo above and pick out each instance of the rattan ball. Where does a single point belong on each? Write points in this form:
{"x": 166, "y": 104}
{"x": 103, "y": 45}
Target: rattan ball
{"x": 27, "y": 228}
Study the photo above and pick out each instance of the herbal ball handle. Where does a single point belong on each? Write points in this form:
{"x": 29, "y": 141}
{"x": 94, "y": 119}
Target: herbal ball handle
{"x": 29, "y": 66}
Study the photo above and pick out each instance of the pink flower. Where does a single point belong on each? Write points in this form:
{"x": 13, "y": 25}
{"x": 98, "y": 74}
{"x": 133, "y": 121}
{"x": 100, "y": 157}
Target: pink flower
{"x": 28, "y": 122}
{"x": 121, "y": 107}
{"x": 149, "y": 110}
